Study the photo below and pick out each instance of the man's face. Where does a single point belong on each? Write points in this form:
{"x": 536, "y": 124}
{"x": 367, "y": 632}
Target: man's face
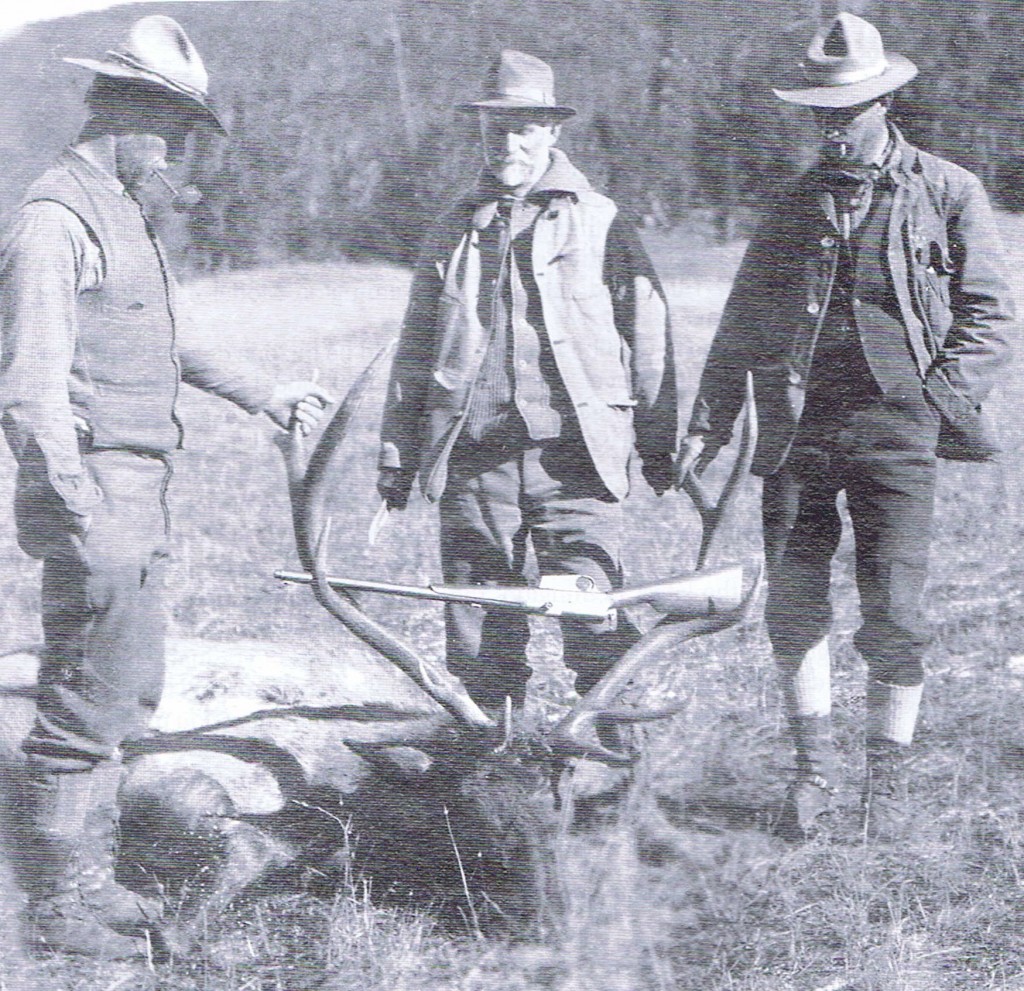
{"x": 154, "y": 139}
{"x": 852, "y": 134}
{"x": 517, "y": 145}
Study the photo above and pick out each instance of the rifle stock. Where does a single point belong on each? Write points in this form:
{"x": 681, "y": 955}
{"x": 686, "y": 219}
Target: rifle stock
{"x": 702, "y": 594}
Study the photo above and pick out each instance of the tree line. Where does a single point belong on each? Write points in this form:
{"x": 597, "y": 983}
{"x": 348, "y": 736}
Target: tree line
{"x": 345, "y": 143}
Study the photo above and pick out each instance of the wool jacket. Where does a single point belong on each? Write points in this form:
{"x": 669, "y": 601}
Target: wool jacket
{"x": 944, "y": 259}
{"x": 90, "y": 320}
{"x": 604, "y": 315}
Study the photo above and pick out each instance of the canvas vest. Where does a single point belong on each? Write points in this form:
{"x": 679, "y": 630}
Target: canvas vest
{"x": 125, "y": 372}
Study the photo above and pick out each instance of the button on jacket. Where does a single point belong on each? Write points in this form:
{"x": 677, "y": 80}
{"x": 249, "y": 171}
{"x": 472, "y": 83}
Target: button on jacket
{"x": 943, "y": 259}
{"x": 604, "y": 318}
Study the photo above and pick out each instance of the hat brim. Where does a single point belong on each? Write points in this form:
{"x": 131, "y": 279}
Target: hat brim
{"x": 204, "y": 113}
{"x": 511, "y": 103}
{"x": 898, "y": 72}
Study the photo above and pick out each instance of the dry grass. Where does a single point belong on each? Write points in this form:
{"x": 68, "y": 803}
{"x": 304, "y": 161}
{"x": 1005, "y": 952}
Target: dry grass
{"x": 682, "y": 888}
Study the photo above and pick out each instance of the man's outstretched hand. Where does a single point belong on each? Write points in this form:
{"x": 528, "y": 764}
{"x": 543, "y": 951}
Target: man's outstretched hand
{"x": 300, "y": 403}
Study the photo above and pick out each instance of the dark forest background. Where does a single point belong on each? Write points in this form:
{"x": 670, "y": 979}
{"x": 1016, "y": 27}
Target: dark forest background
{"x": 345, "y": 143}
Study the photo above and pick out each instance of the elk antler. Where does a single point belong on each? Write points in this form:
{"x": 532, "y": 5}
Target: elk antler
{"x": 308, "y": 488}
{"x": 575, "y": 734}
{"x": 712, "y": 513}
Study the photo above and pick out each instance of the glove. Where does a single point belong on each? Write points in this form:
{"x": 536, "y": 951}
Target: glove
{"x": 658, "y": 472}
{"x": 394, "y": 486}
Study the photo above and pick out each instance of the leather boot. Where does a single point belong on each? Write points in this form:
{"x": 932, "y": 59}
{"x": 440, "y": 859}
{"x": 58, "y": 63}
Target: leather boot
{"x": 76, "y": 905}
{"x": 809, "y": 795}
{"x": 884, "y": 800}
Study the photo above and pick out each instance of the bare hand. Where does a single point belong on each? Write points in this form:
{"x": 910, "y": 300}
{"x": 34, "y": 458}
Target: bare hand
{"x": 298, "y": 403}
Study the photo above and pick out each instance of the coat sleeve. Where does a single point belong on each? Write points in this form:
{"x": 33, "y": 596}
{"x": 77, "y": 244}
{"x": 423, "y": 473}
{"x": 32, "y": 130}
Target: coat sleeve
{"x": 736, "y": 344}
{"x": 642, "y": 318}
{"x": 42, "y": 266}
{"x": 207, "y": 369}
{"x": 977, "y": 346}
{"x": 405, "y": 402}
{"x": 212, "y": 369}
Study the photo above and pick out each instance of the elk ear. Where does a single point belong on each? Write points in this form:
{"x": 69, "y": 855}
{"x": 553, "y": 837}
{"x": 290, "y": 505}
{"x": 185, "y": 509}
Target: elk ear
{"x": 399, "y": 763}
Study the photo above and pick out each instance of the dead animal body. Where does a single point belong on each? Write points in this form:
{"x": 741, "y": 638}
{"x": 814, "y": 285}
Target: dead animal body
{"x": 454, "y": 805}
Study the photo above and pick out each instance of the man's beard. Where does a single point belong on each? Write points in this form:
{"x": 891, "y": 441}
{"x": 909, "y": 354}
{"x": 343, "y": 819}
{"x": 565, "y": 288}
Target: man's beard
{"x": 513, "y": 174}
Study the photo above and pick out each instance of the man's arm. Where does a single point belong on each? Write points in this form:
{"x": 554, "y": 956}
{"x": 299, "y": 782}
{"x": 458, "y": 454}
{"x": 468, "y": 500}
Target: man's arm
{"x": 47, "y": 258}
{"x": 400, "y": 435}
{"x": 641, "y": 315}
{"x": 237, "y": 381}
{"x": 977, "y": 347}
{"x": 734, "y": 349}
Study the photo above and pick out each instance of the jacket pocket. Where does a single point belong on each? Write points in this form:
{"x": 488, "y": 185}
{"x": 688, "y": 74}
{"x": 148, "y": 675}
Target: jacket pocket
{"x": 967, "y": 432}
{"x": 933, "y": 271}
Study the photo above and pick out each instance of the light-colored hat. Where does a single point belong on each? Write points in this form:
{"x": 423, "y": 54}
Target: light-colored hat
{"x": 846, "y": 64}
{"x": 518, "y": 81}
{"x": 157, "y": 50}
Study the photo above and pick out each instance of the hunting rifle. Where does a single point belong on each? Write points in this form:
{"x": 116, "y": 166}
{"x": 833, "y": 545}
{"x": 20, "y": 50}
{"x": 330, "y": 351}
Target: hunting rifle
{"x": 702, "y": 594}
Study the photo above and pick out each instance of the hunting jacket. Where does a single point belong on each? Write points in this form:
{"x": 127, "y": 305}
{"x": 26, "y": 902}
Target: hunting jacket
{"x": 943, "y": 257}
{"x": 604, "y": 315}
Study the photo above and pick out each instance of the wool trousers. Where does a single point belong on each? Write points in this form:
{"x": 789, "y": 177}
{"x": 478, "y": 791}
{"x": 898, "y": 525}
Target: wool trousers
{"x": 501, "y": 499}
{"x": 884, "y": 461}
{"x": 102, "y": 669}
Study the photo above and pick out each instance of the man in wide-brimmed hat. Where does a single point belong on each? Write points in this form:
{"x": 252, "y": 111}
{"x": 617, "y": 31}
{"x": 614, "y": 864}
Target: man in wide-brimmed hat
{"x": 91, "y": 366}
{"x": 534, "y": 345}
{"x": 873, "y": 311}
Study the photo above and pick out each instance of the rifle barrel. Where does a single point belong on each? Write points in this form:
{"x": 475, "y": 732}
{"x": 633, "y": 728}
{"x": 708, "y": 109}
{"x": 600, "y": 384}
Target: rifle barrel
{"x": 593, "y": 606}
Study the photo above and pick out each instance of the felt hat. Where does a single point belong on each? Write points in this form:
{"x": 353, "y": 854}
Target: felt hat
{"x": 158, "y": 51}
{"x": 846, "y": 64}
{"x": 517, "y": 81}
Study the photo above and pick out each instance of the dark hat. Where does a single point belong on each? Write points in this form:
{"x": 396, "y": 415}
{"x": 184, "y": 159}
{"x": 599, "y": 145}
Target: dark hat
{"x": 847, "y": 64}
{"x": 157, "y": 50}
{"x": 517, "y": 81}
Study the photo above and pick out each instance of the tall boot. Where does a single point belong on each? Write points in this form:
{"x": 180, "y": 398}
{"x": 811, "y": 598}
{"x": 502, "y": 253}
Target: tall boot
{"x": 806, "y": 692}
{"x": 75, "y": 904}
{"x": 889, "y": 730}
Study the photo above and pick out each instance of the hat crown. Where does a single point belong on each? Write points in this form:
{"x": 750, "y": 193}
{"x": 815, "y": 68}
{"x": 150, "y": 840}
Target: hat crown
{"x": 158, "y": 44}
{"x": 518, "y": 76}
{"x": 849, "y": 50}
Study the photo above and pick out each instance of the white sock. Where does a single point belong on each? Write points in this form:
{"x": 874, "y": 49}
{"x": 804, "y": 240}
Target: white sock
{"x": 892, "y": 711}
{"x": 807, "y": 690}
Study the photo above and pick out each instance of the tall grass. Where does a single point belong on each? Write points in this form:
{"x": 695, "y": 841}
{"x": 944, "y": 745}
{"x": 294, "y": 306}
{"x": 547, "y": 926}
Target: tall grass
{"x": 680, "y": 886}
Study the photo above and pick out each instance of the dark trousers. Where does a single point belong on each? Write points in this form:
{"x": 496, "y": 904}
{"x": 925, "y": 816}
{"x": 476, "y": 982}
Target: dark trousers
{"x": 102, "y": 669}
{"x": 890, "y": 496}
{"x": 499, "y": 497}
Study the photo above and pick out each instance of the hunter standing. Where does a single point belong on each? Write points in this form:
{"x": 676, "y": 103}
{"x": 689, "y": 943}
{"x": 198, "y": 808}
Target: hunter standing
{"x": 534, "y": 360}
{"x": 873, "y": 310}
{"x": 91, "y": 366}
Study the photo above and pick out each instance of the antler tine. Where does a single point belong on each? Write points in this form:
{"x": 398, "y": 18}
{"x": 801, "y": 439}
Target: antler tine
{"x": 574, "y": 734}
{"x": 443, "y": 687}
{"x": 308, "y": 487}
{"x": 712, "y": 513}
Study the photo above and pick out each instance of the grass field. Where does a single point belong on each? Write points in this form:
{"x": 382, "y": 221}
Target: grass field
{"x": 684, "y": 888}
